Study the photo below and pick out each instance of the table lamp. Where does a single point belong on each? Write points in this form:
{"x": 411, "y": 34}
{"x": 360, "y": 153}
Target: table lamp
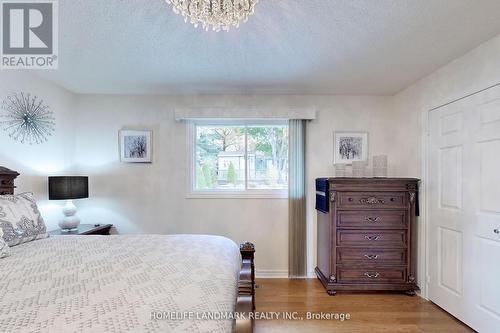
{"x": 69, "y": 188}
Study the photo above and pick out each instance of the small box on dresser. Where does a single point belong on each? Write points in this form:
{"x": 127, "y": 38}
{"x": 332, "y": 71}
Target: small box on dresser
{"x": 367, "y": 234}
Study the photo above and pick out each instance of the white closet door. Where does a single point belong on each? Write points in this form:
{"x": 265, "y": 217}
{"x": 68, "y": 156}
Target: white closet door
{"x": 464, "y": 209}
{"x": 447, "y": 209}
{"x": 486, "y": 214}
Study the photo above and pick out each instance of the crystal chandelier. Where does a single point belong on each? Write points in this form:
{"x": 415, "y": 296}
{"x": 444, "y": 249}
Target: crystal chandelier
{"x": 214, "y": 14}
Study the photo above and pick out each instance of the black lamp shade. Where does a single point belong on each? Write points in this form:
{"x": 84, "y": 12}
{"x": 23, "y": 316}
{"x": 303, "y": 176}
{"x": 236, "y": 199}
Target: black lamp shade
{"x": 68, "y": 188}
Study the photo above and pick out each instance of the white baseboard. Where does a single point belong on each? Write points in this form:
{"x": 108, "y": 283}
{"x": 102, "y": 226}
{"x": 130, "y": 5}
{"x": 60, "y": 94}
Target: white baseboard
{"x": 271, "y": 274}
{"x": 278, "y": 274}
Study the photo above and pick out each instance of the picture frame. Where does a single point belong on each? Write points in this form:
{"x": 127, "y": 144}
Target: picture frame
{"x": 350, "y": 146}
{"x": 136, "y": 146}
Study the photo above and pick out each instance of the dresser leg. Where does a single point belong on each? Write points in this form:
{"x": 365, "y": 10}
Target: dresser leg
{"x": 410, "y": 292}
{"x": 331, "y": 292}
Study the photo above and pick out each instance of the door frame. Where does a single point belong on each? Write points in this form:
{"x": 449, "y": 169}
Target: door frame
{"x": 423, "y": 242}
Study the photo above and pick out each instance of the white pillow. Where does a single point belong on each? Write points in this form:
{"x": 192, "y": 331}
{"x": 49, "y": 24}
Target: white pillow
{"x": 4, "y": 248}
{"x": 20, "y": 219}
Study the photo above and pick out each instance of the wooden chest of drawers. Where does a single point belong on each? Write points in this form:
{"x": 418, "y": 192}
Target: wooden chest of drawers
{"x": 367, "y": 234}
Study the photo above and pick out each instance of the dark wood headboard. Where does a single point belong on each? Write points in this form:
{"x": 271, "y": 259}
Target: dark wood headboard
{"x": 7, "y": 177}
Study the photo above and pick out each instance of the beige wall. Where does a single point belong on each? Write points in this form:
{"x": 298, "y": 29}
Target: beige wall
{"x": 476, "y": 70}
{"x": 151, "y": 198}
{"x": 36, "y": 162}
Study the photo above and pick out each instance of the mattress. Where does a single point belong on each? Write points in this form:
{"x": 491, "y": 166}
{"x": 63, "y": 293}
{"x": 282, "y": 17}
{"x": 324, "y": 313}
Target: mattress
{"x": 122, "y": 283}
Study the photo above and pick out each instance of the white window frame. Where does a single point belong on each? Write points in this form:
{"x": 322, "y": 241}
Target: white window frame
{"x": 192, "y": 193}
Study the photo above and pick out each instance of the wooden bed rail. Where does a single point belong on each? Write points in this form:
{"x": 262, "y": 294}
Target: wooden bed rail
{"x": 245, "y": 303}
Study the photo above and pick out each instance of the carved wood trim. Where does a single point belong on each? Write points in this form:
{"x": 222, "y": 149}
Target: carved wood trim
{"x": 371, "y": 201}
{"x": 7, "y": 178}
{"x": 6, "y": 171}
{"x": 412, "y": 186}
{"x": 332, "y": 196}
{"x": 7, "y": 182}
{"x": 245, "y": 303}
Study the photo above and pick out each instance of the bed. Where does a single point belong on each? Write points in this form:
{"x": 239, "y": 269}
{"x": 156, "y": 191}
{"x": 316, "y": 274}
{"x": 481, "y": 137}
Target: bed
{"x": 126, "y": 283}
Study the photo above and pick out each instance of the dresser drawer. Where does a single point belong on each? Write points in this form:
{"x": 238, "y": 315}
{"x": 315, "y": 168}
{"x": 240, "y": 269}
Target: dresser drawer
{"x": 372, "y": 275}
{"x": 379, "y": 238}
{"x": 371, "y": 219}
{"x": 361, "y": 200}
{"x": 347, "y": 255}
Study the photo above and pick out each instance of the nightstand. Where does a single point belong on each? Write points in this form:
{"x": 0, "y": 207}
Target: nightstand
{"x": 85, "y": 229}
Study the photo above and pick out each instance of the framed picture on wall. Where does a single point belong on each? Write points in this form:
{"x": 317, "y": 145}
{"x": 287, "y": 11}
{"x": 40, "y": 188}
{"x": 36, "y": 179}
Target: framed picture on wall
{"x": 136, "y": 146}
{"x": 350, "y": 147}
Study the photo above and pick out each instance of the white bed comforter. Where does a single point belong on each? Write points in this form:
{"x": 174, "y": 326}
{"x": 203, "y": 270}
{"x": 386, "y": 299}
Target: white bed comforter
{"x": 113, "y": 284}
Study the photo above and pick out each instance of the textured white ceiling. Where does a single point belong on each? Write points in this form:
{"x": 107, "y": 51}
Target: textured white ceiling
{"x": 287, "y": 46}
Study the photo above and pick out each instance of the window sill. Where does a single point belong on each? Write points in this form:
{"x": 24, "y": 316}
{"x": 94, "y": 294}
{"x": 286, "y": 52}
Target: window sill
{"x": 238, "y": 195}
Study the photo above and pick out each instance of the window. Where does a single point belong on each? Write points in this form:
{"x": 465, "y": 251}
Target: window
{"x": 239, "y": 159}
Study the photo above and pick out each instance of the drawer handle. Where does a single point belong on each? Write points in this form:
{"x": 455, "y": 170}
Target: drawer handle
{"x": 372, "y": 238}
{"x": 372, "y": 275}
{"x": 371, "y": 201}
{"x": 371, "y": 256}
{"x": 372, "y": 219}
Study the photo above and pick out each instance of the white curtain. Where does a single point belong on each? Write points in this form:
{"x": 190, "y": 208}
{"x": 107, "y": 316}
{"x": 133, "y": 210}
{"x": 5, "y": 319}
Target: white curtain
{"x": 297, "y": 255}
